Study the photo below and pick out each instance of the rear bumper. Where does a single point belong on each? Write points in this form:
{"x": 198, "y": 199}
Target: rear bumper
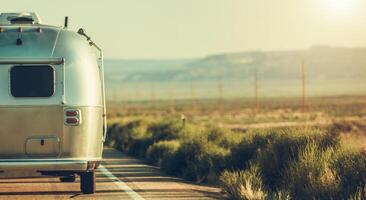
{"x": 34, "y": 167}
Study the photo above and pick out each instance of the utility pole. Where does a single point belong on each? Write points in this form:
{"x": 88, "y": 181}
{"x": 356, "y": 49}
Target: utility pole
{"x": 136, "y": 99}
{"x": 220, "y": 90}
{"x": 303, "y": 85}
{"x": 137, "y": 94}
{"x": 219, "y": 86}
{"x": 172, "y": 96}
{"x": 114, "y": 96}
{"x": 152, "y": 96}
{"x": 256, "y": 89}
{"x": 193, "y": 94}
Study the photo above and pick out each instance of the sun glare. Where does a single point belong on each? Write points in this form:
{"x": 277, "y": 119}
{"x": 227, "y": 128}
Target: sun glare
{"x": 339, "y": 7}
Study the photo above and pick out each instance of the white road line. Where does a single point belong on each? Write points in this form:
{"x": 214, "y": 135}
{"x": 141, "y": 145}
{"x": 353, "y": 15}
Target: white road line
{"x": 121, "y": 185}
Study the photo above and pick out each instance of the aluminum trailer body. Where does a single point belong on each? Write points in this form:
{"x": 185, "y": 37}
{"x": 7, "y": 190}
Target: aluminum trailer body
{"x": 52, "y": 101}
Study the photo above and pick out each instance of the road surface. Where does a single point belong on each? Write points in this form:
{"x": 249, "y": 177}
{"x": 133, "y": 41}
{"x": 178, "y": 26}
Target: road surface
{"x": 119, "y": 177}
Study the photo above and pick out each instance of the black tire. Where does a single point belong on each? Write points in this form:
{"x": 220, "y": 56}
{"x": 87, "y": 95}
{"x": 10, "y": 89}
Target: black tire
{"x": 68, "y": 179}
{"x": 87, "y": 182}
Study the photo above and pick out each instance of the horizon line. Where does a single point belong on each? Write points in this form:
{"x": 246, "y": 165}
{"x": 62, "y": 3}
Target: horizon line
{"x": 235, "y": 52}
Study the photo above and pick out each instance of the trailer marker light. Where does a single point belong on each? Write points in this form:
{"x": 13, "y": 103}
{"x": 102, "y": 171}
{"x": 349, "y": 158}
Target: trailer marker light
{"x": 72, "y": 121}
{"x": 72, "y": 113}
{"x": 72, "y": 117}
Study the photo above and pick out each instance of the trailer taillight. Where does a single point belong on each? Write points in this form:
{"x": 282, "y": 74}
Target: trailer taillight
{"x": 72, "y": 121}
{"x": 72, "y": 117}
{"x": 71, "y": 113}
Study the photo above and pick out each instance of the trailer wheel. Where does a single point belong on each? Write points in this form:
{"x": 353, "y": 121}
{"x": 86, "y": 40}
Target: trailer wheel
{"x": 68, "y": 179}
{"x": 87, "y": 182}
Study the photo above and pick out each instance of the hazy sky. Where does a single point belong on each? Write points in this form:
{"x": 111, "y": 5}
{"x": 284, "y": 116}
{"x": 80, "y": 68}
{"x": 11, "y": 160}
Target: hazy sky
{"x": 195, "y": 28}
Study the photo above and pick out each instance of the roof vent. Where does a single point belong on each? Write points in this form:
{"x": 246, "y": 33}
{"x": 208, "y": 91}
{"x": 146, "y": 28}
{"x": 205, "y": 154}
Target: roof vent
{"x": 19, "y": 18}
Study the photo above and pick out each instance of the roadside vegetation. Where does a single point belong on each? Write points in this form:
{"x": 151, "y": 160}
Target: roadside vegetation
{"x": 273, "y": 163}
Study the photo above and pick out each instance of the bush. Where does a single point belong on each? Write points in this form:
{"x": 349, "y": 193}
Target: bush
{"x": 223, "y": 137}
{"x": 283, "y": 163}
{"x": 276, "y": 157}
{"x": 111, "y": 134}
{"x": 243, "y": 185}
{"x": 131, "y": 137}
{"x": 284, "y": 149}
{"x": 360, "y": 194}
{"x": 351, "y": 168}
{"x": 195, "y": 160}
{"x": 139, "y": 146}
{"x": 165, "y": 130}
{"x": 246, "y": 150}
{"x": 160, "y": 150}
{"x": 312, "y": 176}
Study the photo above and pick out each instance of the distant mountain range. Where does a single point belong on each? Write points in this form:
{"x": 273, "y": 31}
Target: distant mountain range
{"x": 328, "y": 70}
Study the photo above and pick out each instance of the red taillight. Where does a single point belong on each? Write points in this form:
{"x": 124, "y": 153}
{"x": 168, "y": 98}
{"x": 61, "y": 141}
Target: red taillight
{"x": 72, "y": 117}
{"x": 72, "y": 120}
{"x": 72, "y": 113}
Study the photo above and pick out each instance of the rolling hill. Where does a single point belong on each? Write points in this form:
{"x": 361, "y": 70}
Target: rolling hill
{"x": 329, "y": 71}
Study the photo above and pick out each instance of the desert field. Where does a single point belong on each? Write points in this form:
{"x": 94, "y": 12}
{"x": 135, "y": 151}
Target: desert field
{"x": 279, "y": 149}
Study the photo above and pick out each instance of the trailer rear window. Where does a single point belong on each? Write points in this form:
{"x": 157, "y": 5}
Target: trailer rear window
{"x": 32, "y": 81}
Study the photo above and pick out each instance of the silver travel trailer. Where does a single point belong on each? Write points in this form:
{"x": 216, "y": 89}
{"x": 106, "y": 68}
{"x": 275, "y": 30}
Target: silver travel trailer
{"x": 52, "y": 101}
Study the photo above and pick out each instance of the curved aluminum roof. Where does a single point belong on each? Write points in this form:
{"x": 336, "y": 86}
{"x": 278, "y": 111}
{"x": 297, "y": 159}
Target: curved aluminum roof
{"x": 82, "y": 78}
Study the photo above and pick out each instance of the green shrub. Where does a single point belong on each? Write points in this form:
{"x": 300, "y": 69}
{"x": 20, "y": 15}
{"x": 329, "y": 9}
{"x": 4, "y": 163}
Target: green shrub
{"x": 279, "y": 195}
{"x": 160, "y": 150}
{"x": 276, "y": 157}
{"x": 165, "y": 130}
{"x": 195, "y": 160}
{"x": 132, "y": 137}
{"x": 139, "y": 146}
{"x": 360, "y": 194}
{"x": 312, "y": 176}
{"x": 111, "y": 134}
{"x": 172, "y": 164}
{"x": 351, "y": 168}
{"x": 302, "y": 163}
{"x": 246, "y": 150}
{"x": 284, "y": 149}
{"x": 243, "y": 185}
{"x": 223, "y": 137}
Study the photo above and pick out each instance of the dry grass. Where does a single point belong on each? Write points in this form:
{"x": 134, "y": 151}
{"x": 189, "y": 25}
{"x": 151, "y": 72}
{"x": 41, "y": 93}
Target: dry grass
{"x": 347, "y": 112}
{"x": 245, "y": 185}
{"x": 315, "y": 154}
{"x": 353, "y": 133}
{"x": 241, "y": 111}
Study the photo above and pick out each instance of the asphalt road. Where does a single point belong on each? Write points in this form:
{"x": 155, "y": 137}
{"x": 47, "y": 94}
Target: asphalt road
{"x": 119, "y": 177}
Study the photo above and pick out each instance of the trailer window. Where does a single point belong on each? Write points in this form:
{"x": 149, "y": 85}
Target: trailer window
{"x": 32, "y": 81}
